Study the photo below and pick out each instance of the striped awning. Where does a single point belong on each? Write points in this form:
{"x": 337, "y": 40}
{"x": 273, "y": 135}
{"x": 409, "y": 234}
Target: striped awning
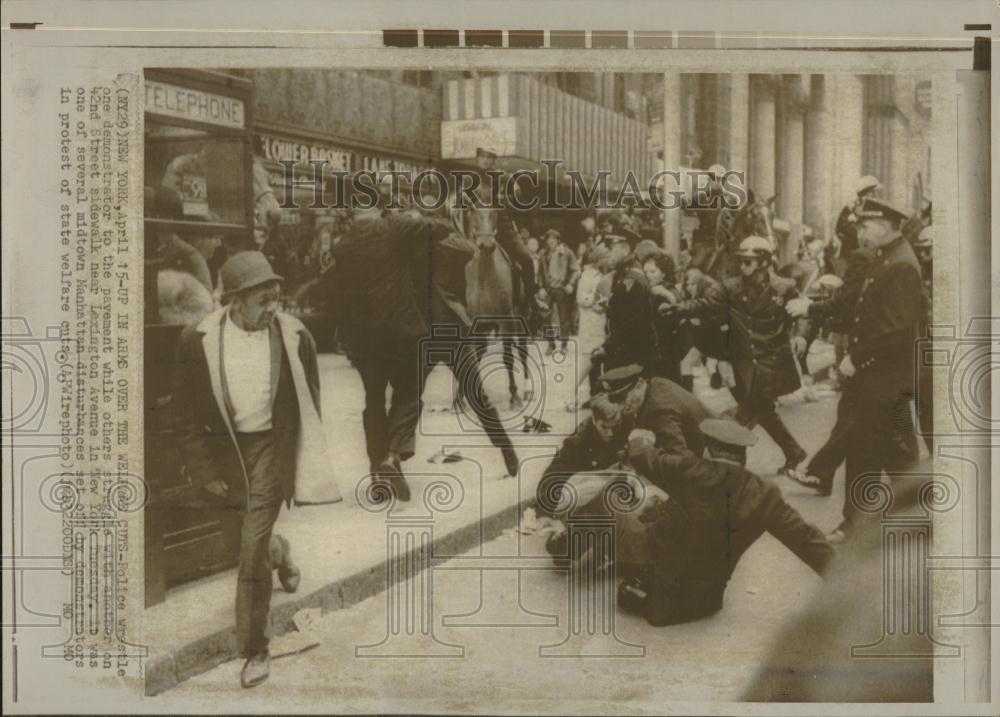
{"x": 516, "y": 115}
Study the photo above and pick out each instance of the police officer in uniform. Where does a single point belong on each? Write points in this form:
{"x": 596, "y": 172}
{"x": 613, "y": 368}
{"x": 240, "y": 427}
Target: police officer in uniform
{"x": 846, "y": 229}
{"x": 752, "y": 305}
{"x": 886, "y": 319}
{"x": 656, "y": 404}
{"x": 716, "y": 510}
{"x": 631, "y": 329}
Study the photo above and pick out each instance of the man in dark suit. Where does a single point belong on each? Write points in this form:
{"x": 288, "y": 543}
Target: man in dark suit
{"x": 246, "y": 396}
{"x": 372, "y": 300}
{"x": 716, "y": 510}
{"x": 884, "y": 322}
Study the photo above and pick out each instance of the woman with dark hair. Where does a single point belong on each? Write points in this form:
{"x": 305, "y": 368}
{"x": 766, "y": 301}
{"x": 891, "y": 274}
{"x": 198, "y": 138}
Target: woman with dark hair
{"x": 672, "y": 335}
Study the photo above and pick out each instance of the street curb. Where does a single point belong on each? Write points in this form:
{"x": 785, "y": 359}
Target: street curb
{"x": 167, "y": 670}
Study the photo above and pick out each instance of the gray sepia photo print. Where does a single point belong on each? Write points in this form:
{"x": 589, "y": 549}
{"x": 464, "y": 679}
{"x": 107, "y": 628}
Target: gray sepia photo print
{"x": 390, "y": 369}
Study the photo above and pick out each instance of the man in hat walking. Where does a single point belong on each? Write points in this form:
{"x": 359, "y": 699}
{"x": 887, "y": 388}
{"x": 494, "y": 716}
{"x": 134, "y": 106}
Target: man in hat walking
{"x": 247, "y": 400}
{"x": 716, "y": 510}
{"x": 753, "y": 306}
{"x": 631, "y": 329}
{"x": 884, "y": 320}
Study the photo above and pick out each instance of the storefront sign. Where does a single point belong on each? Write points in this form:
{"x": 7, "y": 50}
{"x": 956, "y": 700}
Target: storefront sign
{"x": 334, "y": 158}
{"x": 461, "y": 138}
{"x": 277, "y": 149}
{"x": 195, "y": 105}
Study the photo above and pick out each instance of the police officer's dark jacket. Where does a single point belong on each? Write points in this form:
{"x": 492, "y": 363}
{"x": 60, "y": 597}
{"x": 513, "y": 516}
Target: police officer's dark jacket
{"x": 670, "y": 412}
{"x": 759, "y": 346}
{"x": 882, "y": 316}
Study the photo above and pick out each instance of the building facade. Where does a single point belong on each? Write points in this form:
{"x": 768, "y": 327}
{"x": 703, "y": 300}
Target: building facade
{"x": 805, "y": 139}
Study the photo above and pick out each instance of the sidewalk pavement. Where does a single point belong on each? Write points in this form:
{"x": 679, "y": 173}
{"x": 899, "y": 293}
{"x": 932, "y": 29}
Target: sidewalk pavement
{"x": 341, "y": 548}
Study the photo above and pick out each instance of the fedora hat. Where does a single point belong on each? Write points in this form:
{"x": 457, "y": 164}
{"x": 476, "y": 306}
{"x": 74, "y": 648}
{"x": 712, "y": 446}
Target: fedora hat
{"x": 245, "y": 270}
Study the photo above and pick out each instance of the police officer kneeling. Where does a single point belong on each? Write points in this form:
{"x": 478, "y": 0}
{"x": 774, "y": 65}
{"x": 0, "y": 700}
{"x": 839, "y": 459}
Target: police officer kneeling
{"x": 717, "y": 509}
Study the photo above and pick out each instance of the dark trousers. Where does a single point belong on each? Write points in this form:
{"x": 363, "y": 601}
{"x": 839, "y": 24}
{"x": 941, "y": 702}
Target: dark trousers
{"x": 753, "y": 407}
{"x": 464, "y": 366}
{"x": 784, "y": 523}
{"x": 253, "y": 586}
{"x": 828, "y": 458}
{"x": 883, "y": 441}
{"x": 677, "y": 598}
{"x": 562, "y": 314}
{"x": 393, "y": 431}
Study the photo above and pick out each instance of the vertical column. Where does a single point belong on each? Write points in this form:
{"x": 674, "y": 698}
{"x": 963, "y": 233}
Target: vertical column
{"x": 792, "y": 142}
{"x": 847, "y": 102}
{"x": 671, "y": 160}
{"x": 739, "y": 121}
{"x": 762, "y": 126}
{"x": 819, "y": 151}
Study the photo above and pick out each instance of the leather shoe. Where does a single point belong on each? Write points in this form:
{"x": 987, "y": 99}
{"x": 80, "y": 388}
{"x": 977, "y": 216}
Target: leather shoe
{"x": 256, "y": 670}
{"x": 290, "y": 576}
{"x": 390, "y": 471}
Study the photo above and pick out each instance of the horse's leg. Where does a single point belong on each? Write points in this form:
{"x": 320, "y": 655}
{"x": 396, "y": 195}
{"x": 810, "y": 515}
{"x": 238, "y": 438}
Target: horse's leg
{"x": 508, "y": 363}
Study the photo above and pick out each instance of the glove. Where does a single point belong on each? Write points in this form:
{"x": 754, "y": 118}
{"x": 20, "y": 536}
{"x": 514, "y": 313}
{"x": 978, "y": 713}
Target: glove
{"x": 639, "y": 440}
{"x": 798, "y": 308}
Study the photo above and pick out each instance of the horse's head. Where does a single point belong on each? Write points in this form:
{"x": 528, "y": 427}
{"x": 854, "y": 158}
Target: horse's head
{"x": 266, "y": 210}
{"x": 762, "y": 219}
{"x": 483, "y": 226}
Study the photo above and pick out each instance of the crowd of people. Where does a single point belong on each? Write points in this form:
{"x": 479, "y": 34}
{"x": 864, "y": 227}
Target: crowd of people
{"x": 247, "y": 381}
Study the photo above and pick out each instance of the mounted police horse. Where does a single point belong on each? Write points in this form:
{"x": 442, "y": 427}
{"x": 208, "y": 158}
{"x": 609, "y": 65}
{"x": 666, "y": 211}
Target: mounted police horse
{"x": 715, "y": 256}
{"x": 495, "y": 294}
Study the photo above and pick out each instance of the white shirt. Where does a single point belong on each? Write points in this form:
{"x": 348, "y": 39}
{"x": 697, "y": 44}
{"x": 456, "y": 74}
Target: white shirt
{"x": 246, "y": 359}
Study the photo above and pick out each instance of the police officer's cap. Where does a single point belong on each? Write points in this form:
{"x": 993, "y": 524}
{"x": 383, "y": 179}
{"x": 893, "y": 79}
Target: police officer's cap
{"x": 727, "y": 432}
{"x": 485, "y": 152}
{"x": 872, "y": 208}
{"x": 617, "y": 382}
